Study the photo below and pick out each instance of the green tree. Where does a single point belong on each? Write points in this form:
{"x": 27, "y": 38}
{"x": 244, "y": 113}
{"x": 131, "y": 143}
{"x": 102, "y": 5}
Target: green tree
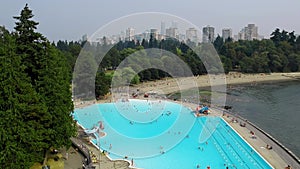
{"x": 22, "y": 113}
{"x": 284, "y": 35}
{"x": 297, "y": 44}
{"x": 294, "y": 62}
{"x": 292, "y": 38}
{"x": 102, "y": 84}
{"x": 227, "y": 64}
{"x": 247, "y": 65}
{"x": 277, "y": 61}
{"x": 145, "y": 44}
{"x": 218, "y": 43}
{"x": 50, "y": 77}
{"x": 276, "y": 36}
{"x": 83, "y": 75}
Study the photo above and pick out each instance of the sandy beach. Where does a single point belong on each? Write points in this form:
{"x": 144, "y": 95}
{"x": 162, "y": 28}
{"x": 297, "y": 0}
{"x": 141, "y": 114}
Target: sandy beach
{"x": 171, "y": 85}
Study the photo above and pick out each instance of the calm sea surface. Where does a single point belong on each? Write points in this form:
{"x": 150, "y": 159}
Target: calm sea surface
{"x": 274, "y": 107}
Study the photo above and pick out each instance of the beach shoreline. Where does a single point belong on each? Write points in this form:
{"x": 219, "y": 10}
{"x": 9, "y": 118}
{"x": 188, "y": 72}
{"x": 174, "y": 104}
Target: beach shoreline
{"x": 171, "y": 85}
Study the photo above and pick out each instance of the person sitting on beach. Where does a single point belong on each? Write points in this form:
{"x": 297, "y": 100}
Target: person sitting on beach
{"x": 242, "y": 124}
{"x": 252, "y": 135}
{"x": 232, "y": 120}
{"x": 269, "y": 147}
{"x": 288, "y": 167}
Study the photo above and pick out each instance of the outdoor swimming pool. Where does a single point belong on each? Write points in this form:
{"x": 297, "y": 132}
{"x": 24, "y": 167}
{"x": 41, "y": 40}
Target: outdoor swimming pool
{"x": 161, "y": 134}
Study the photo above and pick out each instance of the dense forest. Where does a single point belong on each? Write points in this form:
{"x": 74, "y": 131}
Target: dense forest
{"x": 35, "y": 96}
{"x": 36, "y": 78}
{"x": 280, "y": 53}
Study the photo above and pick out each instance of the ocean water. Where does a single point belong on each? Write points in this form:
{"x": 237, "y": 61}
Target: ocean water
{"x": 274, "y": 107}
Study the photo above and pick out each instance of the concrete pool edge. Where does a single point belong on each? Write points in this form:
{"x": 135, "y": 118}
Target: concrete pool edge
{"x": 283, "y": 153}
{"x": 107, "y": 155}
{"x": 101, "y": 151}
{"x": 247, "y": 143}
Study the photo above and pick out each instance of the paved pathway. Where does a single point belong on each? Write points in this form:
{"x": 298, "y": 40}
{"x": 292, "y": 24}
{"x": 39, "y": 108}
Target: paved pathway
{"x": 74, "y": 160}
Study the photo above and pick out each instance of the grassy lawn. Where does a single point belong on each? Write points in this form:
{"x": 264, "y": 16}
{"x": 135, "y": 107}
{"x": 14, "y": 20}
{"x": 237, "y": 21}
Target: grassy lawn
{"x": 109, "y": 72}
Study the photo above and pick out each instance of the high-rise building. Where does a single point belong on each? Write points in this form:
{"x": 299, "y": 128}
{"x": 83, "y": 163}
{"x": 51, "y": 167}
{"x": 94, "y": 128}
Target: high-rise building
{"x": 172, "y": 33}
{"x": 129, "y": 34}
{"x": 163, "y": 28}
{"x": 146, "y": 35}
{"x": 226, "y": 33}
{"x": 241, "y": 35}
{"x": 138, "y": 37}
{"x": 251, "y": 32}
{"x": 154, "y": 33}
{"x": 181, "y": 37}
{"x": 174, "y": 24}
{"x": 192, "y": 35}
{"x": 208, "y": 34}
{"x": 122, "y": 36}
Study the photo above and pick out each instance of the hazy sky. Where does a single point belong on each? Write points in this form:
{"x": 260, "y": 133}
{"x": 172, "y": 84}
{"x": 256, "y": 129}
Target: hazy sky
{"x": 70, "y": 19}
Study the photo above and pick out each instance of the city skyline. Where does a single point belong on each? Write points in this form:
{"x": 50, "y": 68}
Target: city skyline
{"x": 62, "y": 20}
{"x": 208, "y": 34}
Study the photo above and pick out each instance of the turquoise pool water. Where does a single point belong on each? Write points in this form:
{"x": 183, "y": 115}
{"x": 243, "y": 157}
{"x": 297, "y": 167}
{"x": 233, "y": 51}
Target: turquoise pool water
{"x": 161, "y": 135}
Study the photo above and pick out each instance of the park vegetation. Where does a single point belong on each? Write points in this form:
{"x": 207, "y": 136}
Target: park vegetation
{"x": 35, "y": 96}
{"x": 280, "y": 53}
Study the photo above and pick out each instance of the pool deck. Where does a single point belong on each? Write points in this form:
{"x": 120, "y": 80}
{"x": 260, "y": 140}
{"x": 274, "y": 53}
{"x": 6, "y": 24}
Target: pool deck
{"x": 102, "y": 161}
{"x": 258, "y": 144}
{"x": 272, "y": 157}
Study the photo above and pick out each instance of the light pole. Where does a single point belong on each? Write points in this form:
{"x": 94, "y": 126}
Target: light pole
{"x": 98, "y": 140}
